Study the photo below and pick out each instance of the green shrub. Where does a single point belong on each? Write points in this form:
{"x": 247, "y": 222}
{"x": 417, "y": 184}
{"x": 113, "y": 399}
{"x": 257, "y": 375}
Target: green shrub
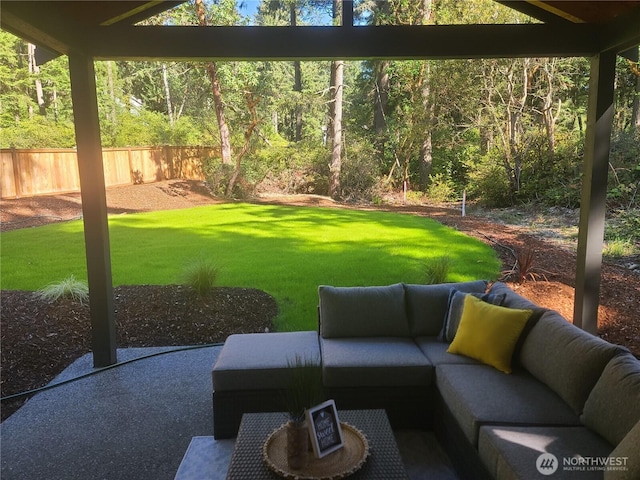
{"x": 201, "y": 275}
{"x": 36, "y": 132}
{"x": 624, "y": 225}
{"x": 77, "y": 290}
{"x": 618, "y": 249}
{"x": 415, "y": 197}
{"x": 360, "y": 172}
{"x": 436, "y": 270}
{"x": 217, "y": 175}
{"x": 488, "y": 183}
{"x": 624, "y": 172}
{"x": 441, "y": 188}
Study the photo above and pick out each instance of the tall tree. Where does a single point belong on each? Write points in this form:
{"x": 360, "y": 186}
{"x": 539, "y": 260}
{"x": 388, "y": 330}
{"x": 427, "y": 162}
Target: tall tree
{"x": 34, "y": 70}
{"x": 381, "y": 85}
{"x": 297, "y": 85}
{"x": 426, "y": 148}
{"x": 216, "y": 90}
{"x": 335, "y": 116}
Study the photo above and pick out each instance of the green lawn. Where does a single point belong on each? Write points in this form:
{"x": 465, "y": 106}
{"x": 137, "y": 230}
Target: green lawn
{"x": 286, "y": 251}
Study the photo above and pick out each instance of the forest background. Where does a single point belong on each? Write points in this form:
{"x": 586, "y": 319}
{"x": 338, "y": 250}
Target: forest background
{"x": 503, "y": 131}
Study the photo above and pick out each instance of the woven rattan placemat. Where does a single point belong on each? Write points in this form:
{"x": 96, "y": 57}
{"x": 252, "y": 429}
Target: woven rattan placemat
{"x": 339, "y": 464}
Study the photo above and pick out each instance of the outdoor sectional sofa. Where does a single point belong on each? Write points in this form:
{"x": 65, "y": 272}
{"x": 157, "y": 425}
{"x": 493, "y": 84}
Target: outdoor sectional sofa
{"x": 567, "y": 393}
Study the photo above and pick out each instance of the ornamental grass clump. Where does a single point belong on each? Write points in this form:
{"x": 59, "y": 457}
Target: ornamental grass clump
{"x": 77, "y": 290}
{"x": 201, "y": 275}
{"x": 436, "y": 270}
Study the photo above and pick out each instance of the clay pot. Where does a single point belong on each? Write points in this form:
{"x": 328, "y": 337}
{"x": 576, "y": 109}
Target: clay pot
{"x": 297, "y": 444}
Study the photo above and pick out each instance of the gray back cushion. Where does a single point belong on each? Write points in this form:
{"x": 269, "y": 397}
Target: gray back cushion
{"x": 362, "y": 311}
{"x": 613, "y": 407}
{"x": 427, "y": 304}
{"x": 566, "y": 358}
{"x": 455, "y": 309}
{"x": 511, "y": 299}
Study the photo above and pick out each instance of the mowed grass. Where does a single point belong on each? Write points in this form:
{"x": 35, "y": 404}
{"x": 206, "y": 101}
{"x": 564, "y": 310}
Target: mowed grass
{"x": 285, "y": 251}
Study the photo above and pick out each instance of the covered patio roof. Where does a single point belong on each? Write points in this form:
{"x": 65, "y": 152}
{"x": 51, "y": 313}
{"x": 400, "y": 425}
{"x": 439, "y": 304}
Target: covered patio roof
{"x": 105, "y": 30}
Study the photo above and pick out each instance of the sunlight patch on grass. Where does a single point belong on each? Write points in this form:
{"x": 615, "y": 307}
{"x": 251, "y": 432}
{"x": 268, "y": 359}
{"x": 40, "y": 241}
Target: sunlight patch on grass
{"x": 285, "y": 251}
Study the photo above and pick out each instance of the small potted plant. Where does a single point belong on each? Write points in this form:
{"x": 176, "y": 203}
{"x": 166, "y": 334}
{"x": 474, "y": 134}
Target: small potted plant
{"x": 304, "y": 391}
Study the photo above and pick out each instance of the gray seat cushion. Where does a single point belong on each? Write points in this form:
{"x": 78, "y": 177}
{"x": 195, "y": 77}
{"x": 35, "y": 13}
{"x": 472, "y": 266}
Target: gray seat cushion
{"x": 436, "y": 352}
{"x": 374, "y": 361}
{"x": 613, "y": 407}
{"x": 256, "y": 361}
{"x": 566, "y": 358}
{"x": 427, "y": 304}
{"x": 478, "y": 395}
{"x": 627, "y": 449}
{"x": 511, "y": 453}
{"x": 362, "y": 311}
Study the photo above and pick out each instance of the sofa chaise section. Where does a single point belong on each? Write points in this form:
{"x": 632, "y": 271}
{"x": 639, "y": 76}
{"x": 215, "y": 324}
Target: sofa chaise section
{"x": 252, "y": 373}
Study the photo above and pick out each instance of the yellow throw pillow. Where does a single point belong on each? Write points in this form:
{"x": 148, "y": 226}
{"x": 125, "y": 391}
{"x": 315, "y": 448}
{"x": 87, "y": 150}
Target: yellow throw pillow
{"x": 489, "y": 333}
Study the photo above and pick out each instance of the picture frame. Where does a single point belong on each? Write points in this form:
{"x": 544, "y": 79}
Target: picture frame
{"x": 324, "y": 428}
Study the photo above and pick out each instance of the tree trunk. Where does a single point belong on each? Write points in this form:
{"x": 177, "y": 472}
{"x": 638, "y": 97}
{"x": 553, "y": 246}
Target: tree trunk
{"x": 55, "y": 103}
{"x": 635, "y": 110}
{"x": 251, "y": 104}
{"x": 382, "y": 86}
{"x": 297, "y": 86}
{"x": 35, "y": 71}
{"x": 381, "y": 104}
{"x": 548, "y": 116}
{"x": 426, "y": 151}
{"x": 335, "y": 109}
{"x": 218, "y": 103}
{"x": 167, "y": 93}
{"x": 336, "y": 134}
{"x": 112, "y": 92}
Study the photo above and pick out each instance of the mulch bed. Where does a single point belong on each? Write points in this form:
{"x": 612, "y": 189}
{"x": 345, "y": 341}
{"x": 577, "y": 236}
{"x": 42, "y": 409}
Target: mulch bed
{"x": 40, "y": 339}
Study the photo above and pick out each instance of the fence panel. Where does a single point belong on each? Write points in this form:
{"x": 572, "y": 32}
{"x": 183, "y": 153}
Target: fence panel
{"x": 39, "y": 172}
{"x": 8, "y": 186}
{"x": 117, "y": 168}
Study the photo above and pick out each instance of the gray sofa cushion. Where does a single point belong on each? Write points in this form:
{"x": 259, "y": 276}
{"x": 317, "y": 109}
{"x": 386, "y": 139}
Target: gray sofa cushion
{"x": 256, "y": 361}
{"x": 613, "y": 406}
{"x": 511, "y": 453}
{"x": 479, "y": 394}
{"x": 362, "y": 311}
{"x": 626, "y": 452}
{"x": 566, "y": 358}
{"x": 374, "y": 361}
{"x": 456, "y": 307}
{"x": 512, "y": 299}
{"x": 436, "y": 352}
{"x": 427, "y": 304}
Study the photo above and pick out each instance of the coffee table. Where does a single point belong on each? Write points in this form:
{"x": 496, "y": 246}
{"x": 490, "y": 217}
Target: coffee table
{"x": 384, "y": 462}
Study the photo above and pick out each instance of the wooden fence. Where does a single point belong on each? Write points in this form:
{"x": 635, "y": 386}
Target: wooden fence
{"x": 27, "y": 173}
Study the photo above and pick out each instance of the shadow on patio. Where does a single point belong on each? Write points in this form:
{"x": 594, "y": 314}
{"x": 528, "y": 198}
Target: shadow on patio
{"x": 136, "y": 422}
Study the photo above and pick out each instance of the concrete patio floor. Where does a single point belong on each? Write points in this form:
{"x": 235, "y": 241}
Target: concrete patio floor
{"x": 136, "y": 421}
